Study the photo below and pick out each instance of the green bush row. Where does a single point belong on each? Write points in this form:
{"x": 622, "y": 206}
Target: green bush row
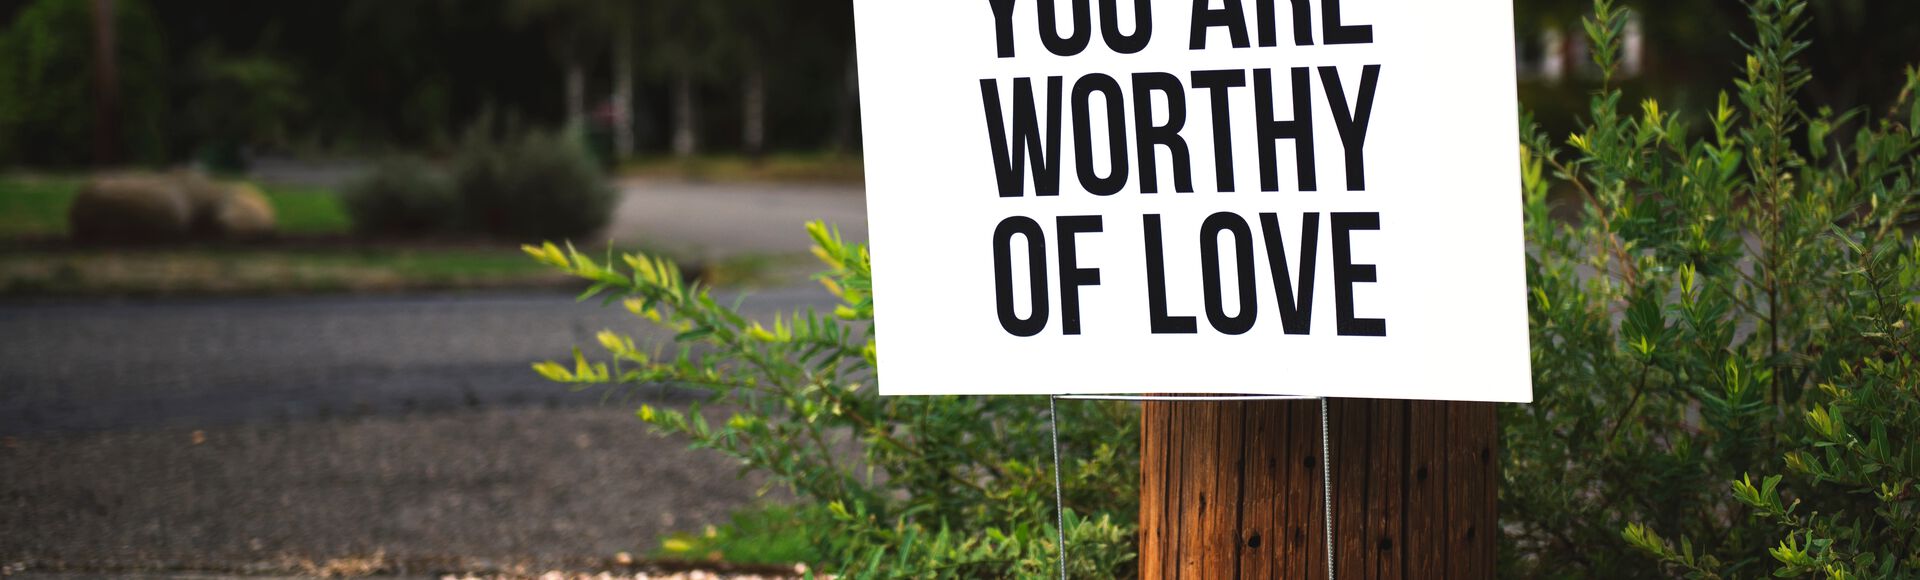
{"x": 527, "y": 187}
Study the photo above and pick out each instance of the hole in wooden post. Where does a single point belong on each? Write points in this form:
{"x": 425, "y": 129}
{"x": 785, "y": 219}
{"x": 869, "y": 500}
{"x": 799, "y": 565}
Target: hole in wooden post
{"x": 1386, "y": 544}
{"x": 1420, "y": 474}
{"x": 1254, "y": 542}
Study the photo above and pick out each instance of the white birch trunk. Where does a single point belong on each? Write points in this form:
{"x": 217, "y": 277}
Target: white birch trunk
{"x": 685, "y": 136}
{"x": 753, "y": 136}
{"x": 623, "y": 146}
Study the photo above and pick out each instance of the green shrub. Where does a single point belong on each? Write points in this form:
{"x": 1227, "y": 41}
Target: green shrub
{"x": 1724, "y": 345}
{"x": 402, "y": 196}
{"x": 921, "y": 487}
{"x": 533, "y": 186}
{"x": 238, "y": 102}
{"x": 46, "y": 84}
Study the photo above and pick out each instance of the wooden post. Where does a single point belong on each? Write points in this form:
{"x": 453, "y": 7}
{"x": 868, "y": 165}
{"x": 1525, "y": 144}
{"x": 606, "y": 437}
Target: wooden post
{"x": 1233, "y": 490}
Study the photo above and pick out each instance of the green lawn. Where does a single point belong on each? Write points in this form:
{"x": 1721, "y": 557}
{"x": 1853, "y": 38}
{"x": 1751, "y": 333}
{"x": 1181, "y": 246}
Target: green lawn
{"x": 195, "y": 270}
{"x": 33, "y": 206}
{"x": 37, "y": 207}
{"x": 320, "y": 256}
{"x": 308, "y": 210}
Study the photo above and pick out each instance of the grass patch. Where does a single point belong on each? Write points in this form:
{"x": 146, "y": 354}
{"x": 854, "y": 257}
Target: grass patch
{"x": 37, "y": 207}
{"x": 755, "y": 270}
{"x": 308, "y": 211}
{"x": 241, "y": 271}
{"x": 816, "y": 167}
{"x": 768, "y": 534}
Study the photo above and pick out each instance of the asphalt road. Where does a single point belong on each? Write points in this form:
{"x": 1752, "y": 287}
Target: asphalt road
{"x": 108, "y": 366}
{"x": 718, "y": 220}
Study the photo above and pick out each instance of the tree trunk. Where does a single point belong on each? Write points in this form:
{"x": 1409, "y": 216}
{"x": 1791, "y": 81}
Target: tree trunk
{"x": 1233, "y": 490}
{"x": 685, "y": 136}
{"x": 623, "y": 145}
{"x": 753, "y": 138}
{"x": 846, "y": 133}
{"x": 106, "y": 79}
{"x": 576, "y": 95}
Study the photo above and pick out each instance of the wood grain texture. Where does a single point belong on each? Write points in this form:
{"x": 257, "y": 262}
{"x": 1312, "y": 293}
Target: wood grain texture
{"x": 1233, "y": 490}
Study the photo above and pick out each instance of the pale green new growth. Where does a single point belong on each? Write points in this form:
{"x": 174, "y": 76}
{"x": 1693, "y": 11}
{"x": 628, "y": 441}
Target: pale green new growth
{"x": 919, "y": 487}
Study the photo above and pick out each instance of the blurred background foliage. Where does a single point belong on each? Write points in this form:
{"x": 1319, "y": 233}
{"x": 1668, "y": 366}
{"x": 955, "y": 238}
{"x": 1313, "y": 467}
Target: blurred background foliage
{"x": 362, "y": 77}
{"x": 1688, "y": 53}
{"x": 211, "y": 80}
{"x": 47, "y": 91}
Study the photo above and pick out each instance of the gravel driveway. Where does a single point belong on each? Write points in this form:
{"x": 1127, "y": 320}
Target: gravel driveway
{"x": 424, "y": 493}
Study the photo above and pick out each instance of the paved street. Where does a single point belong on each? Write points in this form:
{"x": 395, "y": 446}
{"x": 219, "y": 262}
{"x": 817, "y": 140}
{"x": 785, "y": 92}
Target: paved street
{"x": 707, "y": 220}
{"x": 93, "y": 366}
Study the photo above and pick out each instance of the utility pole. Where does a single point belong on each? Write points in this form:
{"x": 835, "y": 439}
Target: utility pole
{"x": 1233, "y": 489}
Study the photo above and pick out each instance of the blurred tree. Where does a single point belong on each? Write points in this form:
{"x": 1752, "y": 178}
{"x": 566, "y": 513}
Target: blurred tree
{"x": 240, "y": 102}
{"x": 688, "y": 42}
{"x": 377, "y": 74}
{"x": 685, "y": 40}
{"x": 49, "y": 87}
{"x": 416, "y": 71}
{"x": 793, "y": 63}
{"x": 758, "y": 26}
{"x": 374, "y": 75}
{"x": 576, "y": 30}
{"x": 1859, "y": 47}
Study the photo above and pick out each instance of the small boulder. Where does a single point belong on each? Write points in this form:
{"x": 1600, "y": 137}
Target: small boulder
{"x": 131, "y": 208}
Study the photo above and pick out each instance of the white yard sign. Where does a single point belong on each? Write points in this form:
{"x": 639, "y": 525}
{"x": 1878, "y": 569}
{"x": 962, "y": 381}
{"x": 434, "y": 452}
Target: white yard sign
{"x": 1308, "y": 197}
